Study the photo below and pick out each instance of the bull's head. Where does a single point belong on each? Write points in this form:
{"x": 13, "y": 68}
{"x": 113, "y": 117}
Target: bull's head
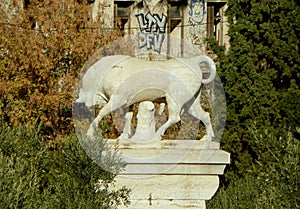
{"x": 86, "y": 98}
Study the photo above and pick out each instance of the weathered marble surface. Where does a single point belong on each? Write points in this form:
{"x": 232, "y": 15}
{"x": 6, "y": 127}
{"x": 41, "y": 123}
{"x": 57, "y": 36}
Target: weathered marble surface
{"x": 118, "y": 81}
{"x": 171, "y": 173}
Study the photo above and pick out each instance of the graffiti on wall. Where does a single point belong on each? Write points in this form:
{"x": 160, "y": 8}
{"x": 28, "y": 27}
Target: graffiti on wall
{"x": 197, "y": 13}
{"x": 152, "y": 29}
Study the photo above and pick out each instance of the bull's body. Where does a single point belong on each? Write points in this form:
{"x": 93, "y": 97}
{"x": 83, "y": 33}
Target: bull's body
{"x": 119, "y": 81}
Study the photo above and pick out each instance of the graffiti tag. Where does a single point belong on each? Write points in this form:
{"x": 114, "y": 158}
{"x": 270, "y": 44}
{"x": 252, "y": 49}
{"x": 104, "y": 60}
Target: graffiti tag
{"x": 197, "y": 11}
{"x": 152, "y": 29}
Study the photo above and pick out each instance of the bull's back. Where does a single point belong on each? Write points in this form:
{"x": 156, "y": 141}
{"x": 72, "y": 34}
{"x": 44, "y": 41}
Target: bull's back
{"x": 137, "y": 78}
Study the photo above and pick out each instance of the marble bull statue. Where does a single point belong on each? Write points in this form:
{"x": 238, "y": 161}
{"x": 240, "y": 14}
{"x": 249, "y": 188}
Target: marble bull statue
{"x": 119, "y": 81}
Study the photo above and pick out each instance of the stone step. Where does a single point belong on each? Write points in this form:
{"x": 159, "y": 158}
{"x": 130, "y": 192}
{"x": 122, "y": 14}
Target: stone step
{"x": 174, "y": 156}
{"x": 191, "y": 169}
{"x": 164, "y": 144}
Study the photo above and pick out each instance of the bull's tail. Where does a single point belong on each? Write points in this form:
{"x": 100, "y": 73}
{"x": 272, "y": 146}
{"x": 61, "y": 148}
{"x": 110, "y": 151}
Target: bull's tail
{"x": 212, "y": 67}
{"x": 194, "y": 65}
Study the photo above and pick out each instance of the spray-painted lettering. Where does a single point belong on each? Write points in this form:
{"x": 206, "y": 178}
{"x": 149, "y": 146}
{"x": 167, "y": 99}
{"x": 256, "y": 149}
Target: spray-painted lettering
{"x": 152, "y": 30}
{"x": 150, "y": 40}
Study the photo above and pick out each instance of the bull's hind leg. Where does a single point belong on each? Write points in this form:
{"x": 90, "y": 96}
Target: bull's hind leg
{"x": 174, "y": 116}
{"x": 197, "y": 111}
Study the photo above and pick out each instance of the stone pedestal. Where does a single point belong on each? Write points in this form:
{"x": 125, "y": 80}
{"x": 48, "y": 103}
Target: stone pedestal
{"x": 171, "y": 174}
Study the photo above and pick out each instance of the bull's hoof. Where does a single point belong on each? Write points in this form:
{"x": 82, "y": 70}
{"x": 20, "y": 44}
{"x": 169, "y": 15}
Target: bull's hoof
{"x": 145, "y": 139}
{"x": 156, "y": 137}
{"x": 206, "y": 138}
{"x": 123, "y": 137}
{"x": 90, "y": 133}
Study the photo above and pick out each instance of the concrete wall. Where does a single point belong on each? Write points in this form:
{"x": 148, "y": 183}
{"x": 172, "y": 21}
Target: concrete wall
{"x": 102, "y": 11}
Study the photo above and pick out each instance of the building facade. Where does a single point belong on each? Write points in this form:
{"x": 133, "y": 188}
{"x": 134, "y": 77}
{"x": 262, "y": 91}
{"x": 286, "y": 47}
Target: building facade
{"x": 191, "y": 20}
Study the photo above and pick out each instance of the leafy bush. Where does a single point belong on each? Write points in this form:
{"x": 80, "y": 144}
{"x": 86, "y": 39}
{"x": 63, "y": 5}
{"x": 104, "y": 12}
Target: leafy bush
{"x": 32, "y": 175}
{"x": 272, "y": 181}
{"x": 260, "y": 73}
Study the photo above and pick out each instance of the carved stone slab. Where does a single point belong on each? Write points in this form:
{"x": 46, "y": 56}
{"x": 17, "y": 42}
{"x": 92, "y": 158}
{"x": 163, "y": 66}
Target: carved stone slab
{"x": 171, "y": 173}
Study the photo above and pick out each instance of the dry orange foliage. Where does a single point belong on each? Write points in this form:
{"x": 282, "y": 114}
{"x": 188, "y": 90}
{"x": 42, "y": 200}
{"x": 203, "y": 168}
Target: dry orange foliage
{"x": 43, "y": 48}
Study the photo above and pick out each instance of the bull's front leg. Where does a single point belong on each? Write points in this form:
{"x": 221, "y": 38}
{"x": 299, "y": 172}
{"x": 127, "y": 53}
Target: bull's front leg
{"x": 107, "y": 108}
{"x": 93, "y": 127}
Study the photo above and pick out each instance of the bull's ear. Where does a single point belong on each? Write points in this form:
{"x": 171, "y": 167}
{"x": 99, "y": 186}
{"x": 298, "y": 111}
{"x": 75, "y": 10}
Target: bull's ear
{"x": 81, "y": 98}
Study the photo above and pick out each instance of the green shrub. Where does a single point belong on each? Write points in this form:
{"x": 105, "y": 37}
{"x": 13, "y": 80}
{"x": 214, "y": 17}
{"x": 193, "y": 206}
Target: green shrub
{"x": 260, "y": 73}
{"x": 272, "y": 181}
{"x": 32, "y": 175}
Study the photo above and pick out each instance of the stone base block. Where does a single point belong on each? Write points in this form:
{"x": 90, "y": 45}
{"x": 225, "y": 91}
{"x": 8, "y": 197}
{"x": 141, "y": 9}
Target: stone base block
{"x": 169, "y": 191}
{"x": 171, "y": 174}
